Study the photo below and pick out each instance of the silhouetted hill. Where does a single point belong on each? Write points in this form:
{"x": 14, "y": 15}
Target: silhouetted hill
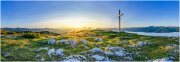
{"x": 36, "y": 29}
{"x": 156, "y": 29}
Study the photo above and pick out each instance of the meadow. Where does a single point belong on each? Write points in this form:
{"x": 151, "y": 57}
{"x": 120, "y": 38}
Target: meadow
{"x": 87, "y": 45}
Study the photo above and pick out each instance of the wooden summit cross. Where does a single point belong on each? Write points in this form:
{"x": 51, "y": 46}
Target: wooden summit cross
{"x": 120, "y": 14}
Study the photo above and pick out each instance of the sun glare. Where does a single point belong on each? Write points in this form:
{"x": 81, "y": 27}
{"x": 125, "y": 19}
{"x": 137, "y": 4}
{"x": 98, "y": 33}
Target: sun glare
{"x": 75, "y": 22}
{"x": 77, "y": 25}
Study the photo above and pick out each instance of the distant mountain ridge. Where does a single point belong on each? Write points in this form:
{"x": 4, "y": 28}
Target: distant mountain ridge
{"x": 36, "y": 29}
{"x": 153, "y": 29}
{"x": 156, "y": 29}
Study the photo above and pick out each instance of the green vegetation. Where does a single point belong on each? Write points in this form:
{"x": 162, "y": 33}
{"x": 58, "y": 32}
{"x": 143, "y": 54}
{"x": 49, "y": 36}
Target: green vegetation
{"x": 31, "y": 35}
{"x": 33, "y": 46}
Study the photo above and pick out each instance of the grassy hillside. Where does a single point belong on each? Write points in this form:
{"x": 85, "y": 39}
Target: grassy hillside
{"x": 86, "y": 45}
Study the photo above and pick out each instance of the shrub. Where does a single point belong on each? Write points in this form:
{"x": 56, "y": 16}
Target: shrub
{"x": 45, "y": 32}
{"x": 11, "y": 33}
{"x": 112, "y": 35}
{"x": 31, "y": 35}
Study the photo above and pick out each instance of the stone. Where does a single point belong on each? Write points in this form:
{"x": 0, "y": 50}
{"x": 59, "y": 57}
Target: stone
{"x": 42, "y": 59}
{"x": 75, "y": 58}
{"x": 50, "y": 52}
{"x": 108, "y": 53}
{"x": 62, "y": 41}
{"x": 96, "y": 50}
{"x": 69, "y": 42}
{"x": 72, "y": 43}
{"x": 115, "y": 48}
{"x": 98, "y": 57}
{"x": 51, "y": 41}
{"x": 128, "y": 58}
{"x": 98, "y": 39}
{"x": 141, "y": 43}
{"x": 162, "y": 60}
{"x": 42, "y": 48}
{"x": 59, "y": 52}
{"x": 5, "y": 54}
{"x": 84, "y": 41}
{"x": 119, "y": 53}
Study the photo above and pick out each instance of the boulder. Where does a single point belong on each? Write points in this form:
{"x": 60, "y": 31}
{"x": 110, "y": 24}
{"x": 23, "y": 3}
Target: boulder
{"x": 50, "y": 52}
{"x": 162, "y": 60}
{"x": 128, "y": 58}
{"x": 51, "y": 41}
{"x": 84, "y": 41}
{"x": 62, "y": 41}
{"x": 108, "y": 53}
{"x": 139, "y": 44}
{"x": 11, "y": 37}
{"x": 115, "y": 48}
{"x": 5, "y": 54}
{"x": 72, "y": 43}
{"x": 69, "y": 42}
{"x": 96, "y": 50}
{"x": 98, "y": 57}
{"x": 118, "y": 51}
{"x": 98, "y": 39}
{"x": 75, "y": 58}
{"x": 42, "y": 48}
{"x": 42, "y": 59}
{"x": 59, "y": 52}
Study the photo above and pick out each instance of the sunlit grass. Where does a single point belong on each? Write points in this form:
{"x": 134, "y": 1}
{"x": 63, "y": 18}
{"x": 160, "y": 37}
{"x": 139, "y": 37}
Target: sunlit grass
{"x": 19, "y": 48}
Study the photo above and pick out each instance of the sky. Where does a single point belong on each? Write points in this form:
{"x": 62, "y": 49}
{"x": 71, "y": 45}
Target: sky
{"x": 93, "y": 14}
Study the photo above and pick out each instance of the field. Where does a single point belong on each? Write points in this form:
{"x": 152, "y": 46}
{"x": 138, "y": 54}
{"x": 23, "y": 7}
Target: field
{"x": 87, "y": 45}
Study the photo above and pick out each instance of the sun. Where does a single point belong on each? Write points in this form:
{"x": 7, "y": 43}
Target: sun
{"x": 77, "y": 25}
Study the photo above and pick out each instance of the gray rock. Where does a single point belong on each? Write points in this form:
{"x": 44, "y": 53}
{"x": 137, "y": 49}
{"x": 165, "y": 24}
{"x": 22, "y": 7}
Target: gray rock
{"x": 69, "y": 42}
{"x": 75, "y": 58}
{"x": 118, "y": 51}
{"x": 108, "y": 53}
{"x": 59, "y": 52}
{"x": 42, "y": 59}
{"x": 96, "y": 50}
{"x": 84, "y": 41}
{"x": 163, "y": 60}
{"x": 51, "y": 41}
{"x": 51, "y": 52}
{"x": 128, "y": 58}
{"x": 5, "y": 54}
{"x": 98, "y": 57}
{"x": 98, "y": 39}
